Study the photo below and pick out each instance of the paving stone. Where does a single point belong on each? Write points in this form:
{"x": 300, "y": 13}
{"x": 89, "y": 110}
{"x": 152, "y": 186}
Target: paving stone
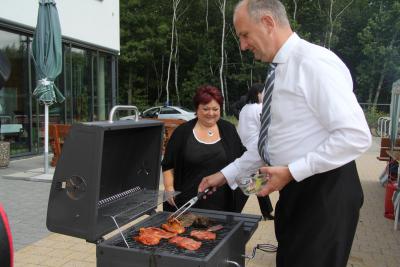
{"x": 375, "y": 244}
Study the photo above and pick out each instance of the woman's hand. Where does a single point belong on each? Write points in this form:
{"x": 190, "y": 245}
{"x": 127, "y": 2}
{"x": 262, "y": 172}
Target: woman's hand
{"x": 169, "y": 187}
{"x": 169, "y": 196}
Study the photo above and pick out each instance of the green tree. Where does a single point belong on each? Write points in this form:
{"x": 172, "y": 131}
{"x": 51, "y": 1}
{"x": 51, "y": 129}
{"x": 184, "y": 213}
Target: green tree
{"x": 380, "y": 43}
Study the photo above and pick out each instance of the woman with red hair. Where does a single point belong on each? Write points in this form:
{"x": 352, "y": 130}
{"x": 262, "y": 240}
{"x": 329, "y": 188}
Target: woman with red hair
{"x": 201, "y": 147}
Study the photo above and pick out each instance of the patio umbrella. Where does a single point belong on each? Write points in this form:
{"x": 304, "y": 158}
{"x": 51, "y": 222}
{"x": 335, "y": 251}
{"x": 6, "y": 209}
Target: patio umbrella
{"x": 47, "y": 55}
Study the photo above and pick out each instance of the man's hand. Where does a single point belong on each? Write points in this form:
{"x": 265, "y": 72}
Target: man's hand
{"x": 279, "y": 177}
{"x": 212, "y": 181}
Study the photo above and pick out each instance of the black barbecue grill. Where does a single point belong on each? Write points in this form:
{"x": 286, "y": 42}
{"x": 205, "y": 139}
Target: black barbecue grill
{"x": 107, "y": 176}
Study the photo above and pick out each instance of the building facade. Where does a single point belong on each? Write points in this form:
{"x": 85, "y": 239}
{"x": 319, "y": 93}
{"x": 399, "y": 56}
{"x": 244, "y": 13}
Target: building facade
{"x": 89, "y": 78}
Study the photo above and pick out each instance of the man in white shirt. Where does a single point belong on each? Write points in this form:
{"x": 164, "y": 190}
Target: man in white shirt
{"x": 317, "y": 130}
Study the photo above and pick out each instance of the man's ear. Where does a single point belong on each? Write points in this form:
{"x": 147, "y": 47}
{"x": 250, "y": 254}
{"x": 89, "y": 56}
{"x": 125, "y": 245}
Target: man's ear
{"x": 268, "y": 22}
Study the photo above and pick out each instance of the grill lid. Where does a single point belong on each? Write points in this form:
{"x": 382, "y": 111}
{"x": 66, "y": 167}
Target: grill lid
{"x": 107, "y": 175}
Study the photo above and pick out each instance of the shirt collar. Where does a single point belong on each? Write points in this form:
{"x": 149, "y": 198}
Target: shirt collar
{"x": 284, "y": 52}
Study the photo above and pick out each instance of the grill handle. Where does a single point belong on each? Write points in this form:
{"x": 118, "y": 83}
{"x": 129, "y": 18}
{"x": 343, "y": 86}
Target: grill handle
{"x": 233, "y": 263}
{"x": 115, "y": 108}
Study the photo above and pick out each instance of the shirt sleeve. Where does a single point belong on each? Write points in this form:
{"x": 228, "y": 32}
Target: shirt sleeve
{"x": 250, "y": 161}
{"x": 247, "y": 164}
{"x": 328, "y": 91}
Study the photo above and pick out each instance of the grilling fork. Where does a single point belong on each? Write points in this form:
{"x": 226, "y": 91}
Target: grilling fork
{"x": 188, "y": 204}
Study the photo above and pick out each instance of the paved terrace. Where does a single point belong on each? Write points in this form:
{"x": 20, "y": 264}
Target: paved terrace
{"x": 25, "y": 200}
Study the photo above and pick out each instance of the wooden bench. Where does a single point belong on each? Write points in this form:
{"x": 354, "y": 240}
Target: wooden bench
{"x": 385, "y": 145}
{"x": 57, "y": 134}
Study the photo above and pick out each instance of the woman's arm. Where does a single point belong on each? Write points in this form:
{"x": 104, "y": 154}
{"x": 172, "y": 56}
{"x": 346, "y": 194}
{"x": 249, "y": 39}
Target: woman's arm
{"x": 169, "y": 180}
{"x": 169, "y": 186}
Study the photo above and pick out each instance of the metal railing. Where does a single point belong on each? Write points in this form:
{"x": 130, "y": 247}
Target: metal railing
{"x": 384, "y": 124}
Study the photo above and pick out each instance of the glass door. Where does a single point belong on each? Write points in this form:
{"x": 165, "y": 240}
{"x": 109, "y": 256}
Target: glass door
{"x": 15, "y": 114}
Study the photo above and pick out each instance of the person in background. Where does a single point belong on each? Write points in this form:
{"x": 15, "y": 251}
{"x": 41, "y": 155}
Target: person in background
{"x": 238, "y": 105}
{"x": 249, "y": 130}
{"x": 315, "y": 129}
{"x": 199, "y": 148}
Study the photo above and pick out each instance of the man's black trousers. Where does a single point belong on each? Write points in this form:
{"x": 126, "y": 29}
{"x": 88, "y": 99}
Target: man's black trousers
{"x": 316, "y": 219}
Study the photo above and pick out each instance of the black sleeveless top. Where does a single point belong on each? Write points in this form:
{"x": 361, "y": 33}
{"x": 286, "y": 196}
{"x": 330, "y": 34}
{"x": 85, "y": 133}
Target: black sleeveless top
{"x": 192, "y": 160}
{"x": 203, "y": 159}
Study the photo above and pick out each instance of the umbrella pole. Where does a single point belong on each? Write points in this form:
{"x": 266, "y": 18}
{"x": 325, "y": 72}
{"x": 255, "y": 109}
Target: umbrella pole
{"x": 46, "y": 138}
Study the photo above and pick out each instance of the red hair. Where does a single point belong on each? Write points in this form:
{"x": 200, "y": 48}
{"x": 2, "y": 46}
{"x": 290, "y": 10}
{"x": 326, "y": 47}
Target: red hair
{"x": 205, "y": 94}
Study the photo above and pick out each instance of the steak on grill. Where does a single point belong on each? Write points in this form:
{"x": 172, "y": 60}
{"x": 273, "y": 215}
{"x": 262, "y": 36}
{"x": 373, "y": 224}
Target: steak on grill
{"x": 147, "y": 239}
{"x": 185, "y": 242}
{"x": 152, "y": 235}
{"x": 156, "y": 232}
{"x": 203, "y": 235}
{"x": 173, "y": 226}
{"x": 189, "y": 219}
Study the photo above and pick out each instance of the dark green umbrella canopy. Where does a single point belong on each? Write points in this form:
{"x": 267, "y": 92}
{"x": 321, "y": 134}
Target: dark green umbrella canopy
{"x": 47, "y": 53}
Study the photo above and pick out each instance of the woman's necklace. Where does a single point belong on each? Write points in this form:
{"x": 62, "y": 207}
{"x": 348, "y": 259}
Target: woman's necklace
{"x": 210, "y": 132}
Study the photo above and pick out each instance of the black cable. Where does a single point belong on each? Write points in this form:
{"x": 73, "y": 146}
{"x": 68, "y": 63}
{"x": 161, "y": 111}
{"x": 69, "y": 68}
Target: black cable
{"x": 263, "y": 247}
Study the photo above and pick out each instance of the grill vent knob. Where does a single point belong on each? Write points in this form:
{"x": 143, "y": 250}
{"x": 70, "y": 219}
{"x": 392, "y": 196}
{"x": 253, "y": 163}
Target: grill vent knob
{"x": 75, "y": 187}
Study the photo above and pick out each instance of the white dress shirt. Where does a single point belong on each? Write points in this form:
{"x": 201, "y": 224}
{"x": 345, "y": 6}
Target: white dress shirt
{"x": 316, "y": 122}
{"x": 249, "y": 131}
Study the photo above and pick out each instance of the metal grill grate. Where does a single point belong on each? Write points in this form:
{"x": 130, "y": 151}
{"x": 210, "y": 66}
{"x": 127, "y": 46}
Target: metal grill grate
{"x": 164, "y": 246}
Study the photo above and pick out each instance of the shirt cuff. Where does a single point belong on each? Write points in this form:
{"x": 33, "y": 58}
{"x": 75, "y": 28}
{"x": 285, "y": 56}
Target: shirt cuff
{"x": 230, "y": 172}
{"x": 300, "y": 170}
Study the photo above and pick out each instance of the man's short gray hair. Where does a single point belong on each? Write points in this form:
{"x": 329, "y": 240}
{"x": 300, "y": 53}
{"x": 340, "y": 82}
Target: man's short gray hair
{"x": 258, "y": 8}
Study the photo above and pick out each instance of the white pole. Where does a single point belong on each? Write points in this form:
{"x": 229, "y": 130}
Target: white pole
{"x": 46, "y": 138}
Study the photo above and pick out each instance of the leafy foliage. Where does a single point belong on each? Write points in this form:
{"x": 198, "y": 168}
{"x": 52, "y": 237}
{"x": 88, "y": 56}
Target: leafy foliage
{"x": 364, "y": 33}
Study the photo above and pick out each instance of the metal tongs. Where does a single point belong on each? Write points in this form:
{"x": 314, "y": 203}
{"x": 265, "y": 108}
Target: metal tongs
{"x": 188, "y": 205}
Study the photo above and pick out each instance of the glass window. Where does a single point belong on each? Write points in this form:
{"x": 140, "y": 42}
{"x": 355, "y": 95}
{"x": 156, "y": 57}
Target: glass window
{"x": 151, "y": 113}
{"x": 102, "y": 87}
{"x": 168, "y": 110}
{"x": 87, "y": 81}
{"x": 14, "y": 97}
{"x": 186, "y": 109}
{"x": 81, "y": 85}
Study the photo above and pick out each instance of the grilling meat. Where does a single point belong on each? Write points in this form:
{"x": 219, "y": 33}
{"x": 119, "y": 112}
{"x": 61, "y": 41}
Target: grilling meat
{"x": 203, "y": 235}
{"x": 147, "y": 239}
{"x": 157, "y": 232}
{"x": 189, "y": 219}
{"x": 173, "y": 226}
{"x": 185, "y": 242}
{"x": 151, "y": 235}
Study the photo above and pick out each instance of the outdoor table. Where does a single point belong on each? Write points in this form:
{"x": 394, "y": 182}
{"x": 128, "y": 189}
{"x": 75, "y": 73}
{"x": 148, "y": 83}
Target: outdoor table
{"x": 11, "y": 128}
{"x": 395, "y": 155}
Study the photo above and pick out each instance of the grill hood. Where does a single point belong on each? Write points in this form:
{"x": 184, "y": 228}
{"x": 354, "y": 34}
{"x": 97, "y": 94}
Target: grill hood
{"x": 108, "y": 174}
